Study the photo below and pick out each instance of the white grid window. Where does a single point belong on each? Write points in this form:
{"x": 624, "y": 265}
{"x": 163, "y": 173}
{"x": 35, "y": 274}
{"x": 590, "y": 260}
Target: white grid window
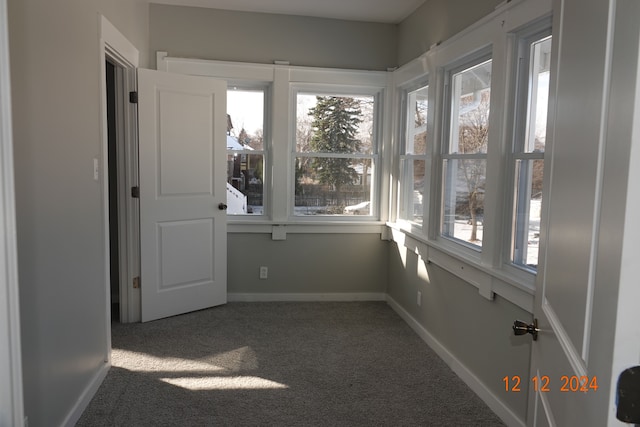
{"x": 245, "y": 151}
{"x": 528, "y": 150}
{"x": 335, "y": 154}
{"x": 413, "y": 191}
{"x": 464, "y": 153}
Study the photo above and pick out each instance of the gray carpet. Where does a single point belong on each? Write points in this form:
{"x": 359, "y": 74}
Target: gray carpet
{"x": 281, "y": 364}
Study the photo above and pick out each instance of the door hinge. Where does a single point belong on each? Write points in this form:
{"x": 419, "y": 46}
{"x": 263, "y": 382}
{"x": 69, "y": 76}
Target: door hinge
{"x": 136, "y": 282}
{"x": 135, "y": 192}
{"x": 133, "y": 97}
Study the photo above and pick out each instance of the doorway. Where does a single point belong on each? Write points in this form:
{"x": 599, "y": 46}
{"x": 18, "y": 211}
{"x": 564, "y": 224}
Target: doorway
{"x": 113, "y": 193}
{"x": 114, "y": 264}
{"x": 114, "y": 147}
{"x": 119, "y": 61}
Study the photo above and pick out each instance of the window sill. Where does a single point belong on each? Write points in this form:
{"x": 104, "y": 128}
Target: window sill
{"x": 489, "y": 280}
{"x": 280, "y": 229}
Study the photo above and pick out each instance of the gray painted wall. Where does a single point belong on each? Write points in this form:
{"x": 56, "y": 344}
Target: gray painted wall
{"x": 436, "y": 21}
{"x": 476, "y": 331}
{"x": 262, "y": 38}
{"x": 55, "y": 69}
{"x": 308, "y": 263}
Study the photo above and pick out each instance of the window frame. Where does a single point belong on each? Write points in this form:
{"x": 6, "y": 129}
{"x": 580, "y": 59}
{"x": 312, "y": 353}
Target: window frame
{"x": 522, "y": 40}
{"x": 327, "y": 89}
{"x": 280, "y": 78}
{"x": 266, "y": 144}
{"x": 477, "y": 57}
{"x": 486, "y": 270}
{"x": 406, "y": 180}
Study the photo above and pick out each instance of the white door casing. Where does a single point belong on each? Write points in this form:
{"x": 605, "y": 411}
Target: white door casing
{"x": 11, "y": 388}
{"x": 182, "y": 125}
{"x": 585, "y": 194}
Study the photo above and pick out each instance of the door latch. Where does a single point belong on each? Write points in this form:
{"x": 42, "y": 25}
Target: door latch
{"x": 521, "y": 328}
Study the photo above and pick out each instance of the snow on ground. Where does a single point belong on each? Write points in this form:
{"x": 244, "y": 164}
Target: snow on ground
{"x": 462, "y": 231}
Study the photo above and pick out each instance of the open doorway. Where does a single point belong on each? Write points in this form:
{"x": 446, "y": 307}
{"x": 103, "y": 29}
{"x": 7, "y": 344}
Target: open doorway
{"x": 119, "y": 60}
{"x": 121, "y": 176}
{"x": 112, "y": 160}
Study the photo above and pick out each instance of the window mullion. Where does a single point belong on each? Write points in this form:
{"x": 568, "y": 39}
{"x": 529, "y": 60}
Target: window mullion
{"x": 458, "y": 156}
{"x": 281, "y": 158}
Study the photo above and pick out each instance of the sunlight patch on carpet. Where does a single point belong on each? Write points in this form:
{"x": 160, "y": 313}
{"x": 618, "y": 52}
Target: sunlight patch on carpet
{"x": 224, "y": 383}
{"x": 142, "y": 362}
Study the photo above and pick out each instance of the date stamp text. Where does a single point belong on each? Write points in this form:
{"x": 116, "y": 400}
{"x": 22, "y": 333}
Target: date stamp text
{"x": 544, "y": 384}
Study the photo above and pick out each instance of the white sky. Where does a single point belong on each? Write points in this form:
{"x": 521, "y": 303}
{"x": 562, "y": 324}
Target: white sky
{"x": 246, "y": 108}
{"x": 542, "y": 105}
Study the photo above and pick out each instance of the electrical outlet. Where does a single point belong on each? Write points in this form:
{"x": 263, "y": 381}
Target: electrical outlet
{"x": 264, "y": 272}
{"x": 419, "y": 299}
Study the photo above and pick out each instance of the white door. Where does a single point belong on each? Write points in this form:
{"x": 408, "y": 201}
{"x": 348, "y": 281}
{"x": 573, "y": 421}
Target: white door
{"x": 183, "y": 259}
{"x": 579, "y": 282}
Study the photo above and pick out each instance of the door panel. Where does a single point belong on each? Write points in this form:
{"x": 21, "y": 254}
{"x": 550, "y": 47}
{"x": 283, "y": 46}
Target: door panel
{"x": 177, "y": 153}
{"x": 566, "y": 278}
{"x": 577, "y": 284}
{"x": 191, "y": 236}
{"x": 182, "y": 121}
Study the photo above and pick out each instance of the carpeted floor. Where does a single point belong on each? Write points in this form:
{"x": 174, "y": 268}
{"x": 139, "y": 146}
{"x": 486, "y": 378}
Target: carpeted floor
{"x": 281, "y": 364}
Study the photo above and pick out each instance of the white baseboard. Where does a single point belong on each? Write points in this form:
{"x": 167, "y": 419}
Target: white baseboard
{"x": 86, "y": 396}
{"x": 307, "y": 297}
{"x": 492, "y": 401}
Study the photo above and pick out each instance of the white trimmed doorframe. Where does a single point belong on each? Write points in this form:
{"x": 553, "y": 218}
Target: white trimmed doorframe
{"x": 11, "y": 392}
{"x": 115, "y": 48}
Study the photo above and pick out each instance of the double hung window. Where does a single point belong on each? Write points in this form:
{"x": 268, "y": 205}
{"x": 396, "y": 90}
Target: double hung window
{"x": 528, "y": 149}
{"x": 464, "y": 152}
{"x": 335, "y": 154}
{"x": 413, "y": 190}
{"x": 245, "y": 151}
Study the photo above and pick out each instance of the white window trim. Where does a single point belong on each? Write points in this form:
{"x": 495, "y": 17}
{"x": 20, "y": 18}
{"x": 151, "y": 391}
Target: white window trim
{"x": 405, "y": 89}
{"x": 265, "y": 152}
{"x": 442, "y": 143}
{"x": 516, "y": 103}
{"x": 340, "y": 90}
{"x": 485, "y": 270}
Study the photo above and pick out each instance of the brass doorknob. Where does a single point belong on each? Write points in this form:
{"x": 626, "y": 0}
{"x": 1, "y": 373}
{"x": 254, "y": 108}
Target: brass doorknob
{"x": 521, "y": 328}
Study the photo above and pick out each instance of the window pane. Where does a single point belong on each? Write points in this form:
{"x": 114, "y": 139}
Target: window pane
{"x": 418, "y": 108}
{"x": 538, "y": 95}
{"x": 529, "y": 176}
{"x": 245, "y": 171}
{"x": 463, "y": 199}
{"x": 245, "y": 177}
{"x": 415, "y": 192}
{"x": 333, "y": 186}
{"x": 334, "y": 124}
{"x": 245, "y": 119}
{"x": 529, "y": 167}
{"x": 471, "y": 91}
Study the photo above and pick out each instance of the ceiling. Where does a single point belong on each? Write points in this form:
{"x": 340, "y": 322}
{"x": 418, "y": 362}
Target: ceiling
{"x": 386, "y": 11}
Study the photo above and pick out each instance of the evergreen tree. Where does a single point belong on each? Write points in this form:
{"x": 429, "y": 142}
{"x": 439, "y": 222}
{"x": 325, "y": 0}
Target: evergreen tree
{"x": 335, "y": 124}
